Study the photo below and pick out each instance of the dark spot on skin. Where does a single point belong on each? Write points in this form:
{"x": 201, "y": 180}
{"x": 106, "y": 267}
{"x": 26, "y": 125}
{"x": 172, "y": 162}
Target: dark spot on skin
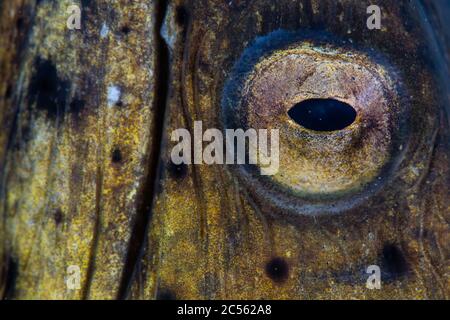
{"x": 393, "y": 262}
{"x": 88, "y": 11}
{"x": 8, "y": 92}
{"x": 277, "y": 269}
{"x": 58, "y": 216}
{"x": 19, "y": 24}
{"x": 177, "y": 171}
{"x": 116, "y": 156}
{"x": 165, "y": 294}
{"x": 181, "y": 15}
{"x": 76, "y": 106}
{"x": 47, "y": 90}
{"x": 12, "y": 272}
{"x": 125, "y": 30}
{"x": 323, "y": 114}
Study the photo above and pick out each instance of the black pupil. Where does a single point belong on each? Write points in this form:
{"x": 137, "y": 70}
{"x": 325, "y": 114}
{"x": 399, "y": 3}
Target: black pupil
{"x": 323, "y": 114}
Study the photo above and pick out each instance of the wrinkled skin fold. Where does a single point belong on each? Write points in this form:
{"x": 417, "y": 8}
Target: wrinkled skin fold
{"x": 86, "y": 177}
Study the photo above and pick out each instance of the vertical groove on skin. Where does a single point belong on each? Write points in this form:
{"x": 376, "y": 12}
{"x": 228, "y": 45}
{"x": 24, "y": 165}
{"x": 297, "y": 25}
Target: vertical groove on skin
{"x": 11, "y": 135}
{"x": 147, "y": 194}
{"x": 8, "y": 278}
{"x": 322, "y": 251}
{"x": 9, "y": 121}
{"x": 97, "y": 230}
{"x": 326, "y": 259}
{"x": 196, "y": 175}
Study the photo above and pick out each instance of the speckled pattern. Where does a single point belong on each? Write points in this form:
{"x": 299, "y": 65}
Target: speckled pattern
{"x": 86, "y": 176}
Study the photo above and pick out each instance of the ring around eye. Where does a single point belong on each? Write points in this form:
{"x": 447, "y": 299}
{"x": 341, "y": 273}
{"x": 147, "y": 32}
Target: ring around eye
{"x": 337, "y": 108}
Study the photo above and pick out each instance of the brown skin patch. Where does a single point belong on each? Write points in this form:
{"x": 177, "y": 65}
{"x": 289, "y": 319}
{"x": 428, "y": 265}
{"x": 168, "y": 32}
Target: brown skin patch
{"x": 217, "y": 232}
{"x": 233, "y": 223}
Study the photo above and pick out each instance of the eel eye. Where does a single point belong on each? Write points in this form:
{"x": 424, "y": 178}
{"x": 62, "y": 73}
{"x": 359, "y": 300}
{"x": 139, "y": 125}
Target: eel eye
{"x": 337, "y": 109}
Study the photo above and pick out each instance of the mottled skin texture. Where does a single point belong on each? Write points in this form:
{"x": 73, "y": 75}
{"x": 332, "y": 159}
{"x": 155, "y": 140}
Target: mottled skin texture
{"x": 66, "y": 200}
{"x": 87, "y": 183}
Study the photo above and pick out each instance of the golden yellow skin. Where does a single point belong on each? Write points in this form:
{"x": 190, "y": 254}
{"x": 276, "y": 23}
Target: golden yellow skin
{"x": 66, "y": 168}
{"x": 67, "y": 198}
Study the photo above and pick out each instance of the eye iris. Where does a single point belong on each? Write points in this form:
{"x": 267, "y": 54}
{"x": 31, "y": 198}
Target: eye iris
{"x": 304, "y": 87}
{"x": 323, "y": 114}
